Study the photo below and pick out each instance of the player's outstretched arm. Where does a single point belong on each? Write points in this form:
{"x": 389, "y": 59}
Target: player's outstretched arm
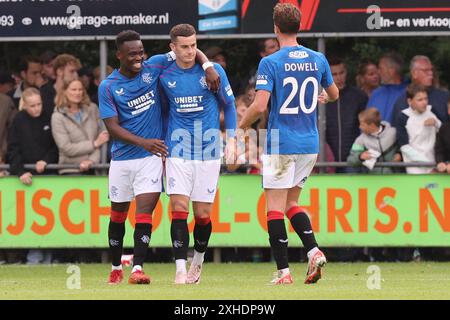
{"x": 154, "y": 146}
{"x": 212, "y": 76}
{"x": 255, "y": 110}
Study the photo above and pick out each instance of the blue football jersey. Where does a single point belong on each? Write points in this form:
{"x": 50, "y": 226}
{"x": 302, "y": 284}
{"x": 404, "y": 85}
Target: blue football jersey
{"x": 136, "y": 103}
{"x": 193, "y": 129}
{"x": 293, "y": 76}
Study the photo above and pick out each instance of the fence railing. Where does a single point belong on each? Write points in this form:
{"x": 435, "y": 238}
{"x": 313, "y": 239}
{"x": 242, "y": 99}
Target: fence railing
{"x": 318, "y": 165}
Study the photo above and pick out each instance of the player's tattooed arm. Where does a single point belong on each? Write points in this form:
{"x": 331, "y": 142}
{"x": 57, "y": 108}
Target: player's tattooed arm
{"x": 212, "y": 76}
{"x": 155, "y": 146}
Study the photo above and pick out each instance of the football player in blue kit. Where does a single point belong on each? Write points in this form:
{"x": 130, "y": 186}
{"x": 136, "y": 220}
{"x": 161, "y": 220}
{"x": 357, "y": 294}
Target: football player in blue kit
{"x": 130, "y": 107}
{"x": 194, "y": 141}
{"x": 290, "y": 78}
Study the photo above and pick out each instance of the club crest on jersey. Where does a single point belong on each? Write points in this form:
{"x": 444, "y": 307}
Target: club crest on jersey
{"x": 120, "y": 92}
{"x": 298, "y": 54}
{"x": 203, "y": 82}
{"x": 172, "y": 84}
{"x": 147, "y": 78}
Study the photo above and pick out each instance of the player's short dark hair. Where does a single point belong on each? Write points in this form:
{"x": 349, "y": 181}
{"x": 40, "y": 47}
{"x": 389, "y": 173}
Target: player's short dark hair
{"x": 181, "y": 30}
{"x": 25, "y": 62}
{"x": 126, "y": 35}
{"x": 394, "y": 60}
{"x": 414, "y": 89}
{"x": 287, "y": 18}
{"x": 370, "y": 116}
{"x": 334, "y": 61}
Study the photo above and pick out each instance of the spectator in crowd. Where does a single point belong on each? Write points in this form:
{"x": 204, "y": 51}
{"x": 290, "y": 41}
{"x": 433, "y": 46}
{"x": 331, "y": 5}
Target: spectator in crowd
{"x": 442, "y": 148}
{"x": 86, "y": 76}
{"x": 268, "y": 46}
{"x": 7, "y": 113}
{"x": 48, "y": 59}
{"x": 368, "y": 78}
{"x": 416, "y": 127}
{"x": 77, "y": 129}
{"x": 216, "y": 54}
{"x": 342, "y": 125}
{"x": 7, "y": 82}
{"x": 265, "y": 47}
{"x": 377, "y": 143}
{"x": 30, "y": 71}
{"x": 66, "y": 68}
{"x": 249, "y": 158}
{"x": 422, "y": 73}
{"x": 96, "y": 82}
{"x": 30, "y": 139}
{"x": 383, "y": 98}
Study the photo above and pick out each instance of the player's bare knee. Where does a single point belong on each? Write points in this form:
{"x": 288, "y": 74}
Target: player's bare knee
{"x": 291, "y": 204}
{"x": 202, "y": 213}
{"x": 179, "y": 205}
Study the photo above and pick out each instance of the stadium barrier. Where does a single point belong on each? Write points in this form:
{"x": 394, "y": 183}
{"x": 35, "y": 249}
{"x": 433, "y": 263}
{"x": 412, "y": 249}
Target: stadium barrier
{"x": 346, "y": 210}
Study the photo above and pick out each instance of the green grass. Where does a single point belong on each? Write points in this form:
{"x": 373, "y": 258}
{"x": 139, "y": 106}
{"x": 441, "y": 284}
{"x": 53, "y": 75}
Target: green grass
{"x": 231, "y": 281}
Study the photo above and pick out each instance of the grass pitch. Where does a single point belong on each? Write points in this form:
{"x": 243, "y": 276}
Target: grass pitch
{"x": 231, "y": 281}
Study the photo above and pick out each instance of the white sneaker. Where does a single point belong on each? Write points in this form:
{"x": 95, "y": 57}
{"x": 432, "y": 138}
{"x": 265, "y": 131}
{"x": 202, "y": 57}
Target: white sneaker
{"x": 193, "y": 275}
{"x": 282, "y": 278}
{"x": 180, "y": 277}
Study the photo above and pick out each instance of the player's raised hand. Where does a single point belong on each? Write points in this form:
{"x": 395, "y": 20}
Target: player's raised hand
{"x": 155, "y": 146}
{"x": 212, "y": 79}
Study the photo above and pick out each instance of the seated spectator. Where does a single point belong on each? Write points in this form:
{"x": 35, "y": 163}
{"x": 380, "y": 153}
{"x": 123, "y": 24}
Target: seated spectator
{"x": 7, "y": 114}
{"x": 422, "y": 73}
{"x": 30, "y": 72}
{"x": 384, "y": 97}
{"x": 442, "y": 149}
{"x": 30, "y": 139}
{"x": 416, "y": 129}
{"x": 368, "y": 78}
{"x": 377, "y": 143}
{"x": 77, "y": 129}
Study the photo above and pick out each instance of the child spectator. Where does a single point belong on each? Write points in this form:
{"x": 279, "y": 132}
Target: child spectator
{"x": 416, "y": 129}
{"x": 377, "y": 142}
{"x": 30, "y": 138}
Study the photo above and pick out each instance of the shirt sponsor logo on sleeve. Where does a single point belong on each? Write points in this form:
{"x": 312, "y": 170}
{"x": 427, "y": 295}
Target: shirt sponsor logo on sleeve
{"x": 261, "y": 79}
